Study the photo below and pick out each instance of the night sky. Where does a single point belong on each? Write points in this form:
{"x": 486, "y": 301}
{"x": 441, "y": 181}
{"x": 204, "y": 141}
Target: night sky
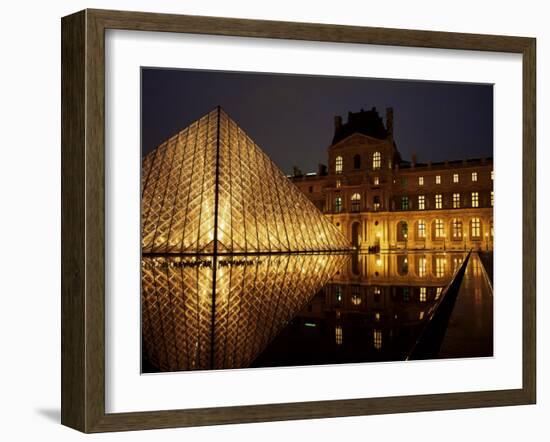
{"x": 291, "y": 117}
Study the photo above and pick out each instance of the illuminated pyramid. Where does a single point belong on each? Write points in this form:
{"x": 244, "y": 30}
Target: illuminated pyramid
{"x": 211, "y": 189}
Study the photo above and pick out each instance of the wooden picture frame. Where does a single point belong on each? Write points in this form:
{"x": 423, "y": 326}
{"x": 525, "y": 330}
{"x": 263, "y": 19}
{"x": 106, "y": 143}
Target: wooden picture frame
{"x": 83, "y": 220}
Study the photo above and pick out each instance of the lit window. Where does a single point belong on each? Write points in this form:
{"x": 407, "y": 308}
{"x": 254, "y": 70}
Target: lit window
{"x": 422, "y": 267}
{"x": 420, "y": 180}
{"x": 376, "y": 202}
{"x": 492, "y": 174}
{"x": 439, "y": 228}
{"x": 421, "y": 202}
{"x": 403, "y": 231}
{"x": 338, "y": 293}
{"x": 475, "y": 199}
{"x": 456, "y": 263}
{"x": 389, "y": 164}
{"x": 338, "y": 332}
{"x": 377, "y": 338}
{"x": 474, "y": 176}
{"x": 421, "y": 315}
{"x": 339, "y": 165}
{"x": 456, "y": 200}
{"x": 438, "y": 201}
{"x": 492, "y": 198}
{"x": 476, "y": 269}
{"x": 421, "y": 229}
{"x": 455, "y": 178}
{"x": 377, "y": 316}
{"x": 356, "y": 202}
{"x": 438, "y": 179}
{"x": 338, "y": 204}
{"x": 440, "y": 264}
{"x": 457, "y": 228}
{"x": 338, "y": 184}
{"x": 438, "y": 293}
{"x": 422, "y": 295}
{"x": 376, "y": 160}
{"x": 404, "y": 203}
{"x": 475, "y": 228}
{"x": 376, "y": 181}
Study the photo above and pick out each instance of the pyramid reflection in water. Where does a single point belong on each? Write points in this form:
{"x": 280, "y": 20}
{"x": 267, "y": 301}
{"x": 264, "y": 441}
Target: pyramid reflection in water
{"x": 187, "y": 327}
{"x": 211, "y": 189}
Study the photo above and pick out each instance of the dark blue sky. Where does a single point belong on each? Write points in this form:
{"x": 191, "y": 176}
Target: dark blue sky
{"x": 291, "y": 117}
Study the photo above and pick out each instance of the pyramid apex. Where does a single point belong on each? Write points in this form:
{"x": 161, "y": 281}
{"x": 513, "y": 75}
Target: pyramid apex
{"x": 213, "y": 185}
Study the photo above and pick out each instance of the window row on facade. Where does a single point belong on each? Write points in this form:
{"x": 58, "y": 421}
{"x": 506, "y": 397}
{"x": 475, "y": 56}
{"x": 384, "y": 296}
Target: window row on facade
{"x": 456, "y": 200}
{"x": 376, "y": 164}
{"x": 455, "y": 230}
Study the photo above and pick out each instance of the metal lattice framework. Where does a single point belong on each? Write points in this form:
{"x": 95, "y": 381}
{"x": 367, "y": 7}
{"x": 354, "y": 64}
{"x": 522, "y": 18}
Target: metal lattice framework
{"x": 188, "y": 327}
{"x": 226, "y": 242}
{"x": 211, "y": 189}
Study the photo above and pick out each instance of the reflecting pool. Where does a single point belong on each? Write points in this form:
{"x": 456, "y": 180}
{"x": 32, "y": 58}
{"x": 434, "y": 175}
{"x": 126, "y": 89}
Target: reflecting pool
{"x": 239, "y": 311}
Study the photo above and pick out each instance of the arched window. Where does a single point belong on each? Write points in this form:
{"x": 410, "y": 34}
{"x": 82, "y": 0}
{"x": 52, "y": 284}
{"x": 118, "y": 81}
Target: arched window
{"x": 440, "y": 266}
{"x": 338, "y": 204}
{"x": 422, "y": 261}
{"x": 356, "y": 294}
{"x": 376, "y": 160}
{"x": 402, "y": 265}
{"x": 356, "y": 202}
{"x": 357, "y": 161}
{"x": 421, "y": 229}
{"x": 456, "y": 229}
{"x": 438, "y": 229}
{"x": 339, "y": 165}
{"x": 475, "y": 228}
{"x": 402, "y": 231}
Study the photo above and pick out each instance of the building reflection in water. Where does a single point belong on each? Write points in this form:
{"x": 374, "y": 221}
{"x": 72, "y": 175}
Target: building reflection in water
{"x": 376, "y": 308}
{"x": 300, "y": 309}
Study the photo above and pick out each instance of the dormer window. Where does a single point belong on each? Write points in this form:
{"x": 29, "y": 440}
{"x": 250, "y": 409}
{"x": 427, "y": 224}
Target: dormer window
{"x": 376, "y": 160}
{"x": 339, "y": 166}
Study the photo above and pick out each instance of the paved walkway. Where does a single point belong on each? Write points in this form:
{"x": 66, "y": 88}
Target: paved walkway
{"x": 470, "y": 329}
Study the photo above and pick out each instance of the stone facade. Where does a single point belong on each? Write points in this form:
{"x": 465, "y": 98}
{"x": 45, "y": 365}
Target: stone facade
{"x": 379, "y": 200}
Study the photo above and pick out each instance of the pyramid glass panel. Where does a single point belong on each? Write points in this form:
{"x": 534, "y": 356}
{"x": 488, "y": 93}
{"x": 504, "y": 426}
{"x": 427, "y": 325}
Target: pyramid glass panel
{"x": 189, "y": 326}
{"x": 211, "y": 189}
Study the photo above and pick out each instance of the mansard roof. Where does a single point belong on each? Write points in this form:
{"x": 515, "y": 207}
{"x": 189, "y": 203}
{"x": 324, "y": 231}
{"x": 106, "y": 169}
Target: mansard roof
{"x": 364, "y": 122}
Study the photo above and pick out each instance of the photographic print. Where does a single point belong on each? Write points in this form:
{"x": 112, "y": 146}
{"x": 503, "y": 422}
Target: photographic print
{"x": 295, "y": 220}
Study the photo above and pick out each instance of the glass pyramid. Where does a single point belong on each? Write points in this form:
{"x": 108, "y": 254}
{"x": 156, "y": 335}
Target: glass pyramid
{"x": 211, "y": 189}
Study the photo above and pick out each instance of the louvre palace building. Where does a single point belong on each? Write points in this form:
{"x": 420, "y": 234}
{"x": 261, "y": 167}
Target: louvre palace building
{"x": 379, "y": 200}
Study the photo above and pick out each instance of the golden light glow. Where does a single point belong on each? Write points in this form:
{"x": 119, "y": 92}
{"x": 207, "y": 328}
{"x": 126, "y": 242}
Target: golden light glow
{"x": 213, "y": 163}
{"x": 191, "y": 324}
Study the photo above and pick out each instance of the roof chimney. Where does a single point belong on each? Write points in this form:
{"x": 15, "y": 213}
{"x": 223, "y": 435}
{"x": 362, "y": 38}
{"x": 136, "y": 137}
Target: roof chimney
{"x": 413, "y": 159}
{"x": 337, "y": 122}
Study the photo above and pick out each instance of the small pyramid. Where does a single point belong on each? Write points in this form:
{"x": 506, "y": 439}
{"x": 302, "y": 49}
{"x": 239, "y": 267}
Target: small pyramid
{"x": 211, "y": 189}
